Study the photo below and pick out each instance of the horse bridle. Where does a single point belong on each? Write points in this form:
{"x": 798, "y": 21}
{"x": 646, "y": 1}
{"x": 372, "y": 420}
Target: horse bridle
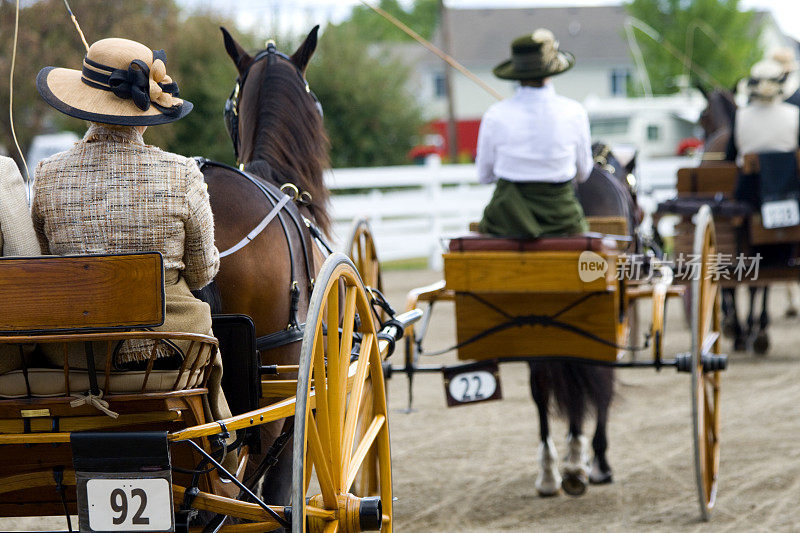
{"x": 232, "y": 104}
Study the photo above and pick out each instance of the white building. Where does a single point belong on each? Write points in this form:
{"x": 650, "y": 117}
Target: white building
{"x": 480, "y": 39}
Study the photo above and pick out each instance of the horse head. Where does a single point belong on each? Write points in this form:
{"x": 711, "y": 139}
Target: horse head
{"x": 275, "y": 120}
{"x": 610, "y": 190}
{"x": 716, "y": 120}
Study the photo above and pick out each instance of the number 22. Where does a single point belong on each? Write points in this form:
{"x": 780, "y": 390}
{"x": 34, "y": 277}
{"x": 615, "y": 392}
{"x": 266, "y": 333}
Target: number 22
{"x": 119, "y": 504}
{"x": 476, "y": 395}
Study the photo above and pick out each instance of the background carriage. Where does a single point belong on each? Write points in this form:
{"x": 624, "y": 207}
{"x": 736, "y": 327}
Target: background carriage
{"x": 517, "y": 301}
{"x": 755, "y": 251}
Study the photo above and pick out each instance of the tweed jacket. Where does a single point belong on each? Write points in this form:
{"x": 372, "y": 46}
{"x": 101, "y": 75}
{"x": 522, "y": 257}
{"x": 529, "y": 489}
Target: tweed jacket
{"x": 111, "y": 193}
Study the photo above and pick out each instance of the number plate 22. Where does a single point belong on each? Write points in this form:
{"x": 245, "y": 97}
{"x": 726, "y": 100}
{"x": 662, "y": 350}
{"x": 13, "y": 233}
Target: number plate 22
{"x": 472, "y": 383}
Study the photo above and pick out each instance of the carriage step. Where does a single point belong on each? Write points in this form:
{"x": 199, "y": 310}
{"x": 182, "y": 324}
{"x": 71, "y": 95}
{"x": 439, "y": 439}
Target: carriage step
{"x": 711, "y": 362}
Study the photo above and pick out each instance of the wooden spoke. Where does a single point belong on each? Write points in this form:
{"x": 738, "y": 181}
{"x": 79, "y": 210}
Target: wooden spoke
{"x": 705, "y": 385}
{"x": 356, "y": 402}
{"x": 319, "y": 459}
{"x": 349, "y": 431}
{"x": 363, "y": 447}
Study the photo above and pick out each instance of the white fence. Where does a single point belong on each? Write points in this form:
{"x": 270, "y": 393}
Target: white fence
{"x": 412, "y": 207}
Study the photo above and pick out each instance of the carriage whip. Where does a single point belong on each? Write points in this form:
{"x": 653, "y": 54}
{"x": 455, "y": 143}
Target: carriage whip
{"x": 11, "y": 80}
{"x": 11, "y": 96}
{"x": 434, "y": 49}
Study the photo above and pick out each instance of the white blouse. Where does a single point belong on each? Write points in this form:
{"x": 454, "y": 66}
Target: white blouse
{"x": 536, "y": 135}
{"x": 767, "y": 127}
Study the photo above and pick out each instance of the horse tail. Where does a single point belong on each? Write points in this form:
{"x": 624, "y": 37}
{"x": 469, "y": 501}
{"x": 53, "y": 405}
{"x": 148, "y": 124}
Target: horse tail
{"x": 576, "y": 387}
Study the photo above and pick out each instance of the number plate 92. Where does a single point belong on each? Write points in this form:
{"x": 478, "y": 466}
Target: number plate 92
{"x": 129, "y": 504}
{"x": 472, "y": 383}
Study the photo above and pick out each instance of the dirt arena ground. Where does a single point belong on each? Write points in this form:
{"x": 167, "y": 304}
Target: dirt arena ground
{"x": 472, "y": 469}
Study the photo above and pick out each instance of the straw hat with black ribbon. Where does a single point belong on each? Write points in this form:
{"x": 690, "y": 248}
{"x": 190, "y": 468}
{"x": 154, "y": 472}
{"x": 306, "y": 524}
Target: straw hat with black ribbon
{"x": 122, "y": 82}
{"x": 535, "y": 56}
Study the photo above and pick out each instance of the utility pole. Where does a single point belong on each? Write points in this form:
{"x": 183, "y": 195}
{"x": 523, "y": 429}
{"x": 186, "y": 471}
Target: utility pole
{"x": 452, "y": 131}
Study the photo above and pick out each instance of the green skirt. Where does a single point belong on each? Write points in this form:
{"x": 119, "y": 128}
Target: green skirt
{"x": 533, "y": 209}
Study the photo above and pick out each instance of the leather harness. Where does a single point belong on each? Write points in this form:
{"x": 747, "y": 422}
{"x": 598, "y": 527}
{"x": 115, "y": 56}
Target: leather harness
{"x": 287, "y": 213}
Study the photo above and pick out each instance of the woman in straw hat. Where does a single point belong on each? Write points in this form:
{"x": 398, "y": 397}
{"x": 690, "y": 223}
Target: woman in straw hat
{"x": 112, "y": 193}
{"x": 533, "y": 145}
{"x": 767, "y": 124}
{"x": 16, "y": 236}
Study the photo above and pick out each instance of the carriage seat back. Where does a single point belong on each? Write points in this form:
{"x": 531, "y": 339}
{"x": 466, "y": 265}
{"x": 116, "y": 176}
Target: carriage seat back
{"x": 98, "y": 301}
{"x": 481, "y": 263}
{"x": 708, "y": 181}
{"x": 81, "y": 293}
{"x": 480, "y": 242}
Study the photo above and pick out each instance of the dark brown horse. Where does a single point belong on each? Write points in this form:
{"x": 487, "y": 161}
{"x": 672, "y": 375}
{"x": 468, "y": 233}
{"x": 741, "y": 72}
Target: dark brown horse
{"x": 279, "y": 139}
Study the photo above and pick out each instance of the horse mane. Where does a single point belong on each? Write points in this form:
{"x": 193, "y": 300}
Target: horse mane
{"x": 289, "y": 143}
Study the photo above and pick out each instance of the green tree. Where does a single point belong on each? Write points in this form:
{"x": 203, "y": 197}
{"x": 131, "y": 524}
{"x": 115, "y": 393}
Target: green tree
{"x": 371, "y": 117}
{"x": 195, "y": 53}
{"x": 724, "y": 56}
{"x": 422, "y": 17}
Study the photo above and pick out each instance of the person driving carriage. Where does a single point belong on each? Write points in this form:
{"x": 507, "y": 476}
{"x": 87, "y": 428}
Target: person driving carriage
{"x": 764, "y": 133}
{"x": 112, "y": 193}
{"x": 533, "y": 145}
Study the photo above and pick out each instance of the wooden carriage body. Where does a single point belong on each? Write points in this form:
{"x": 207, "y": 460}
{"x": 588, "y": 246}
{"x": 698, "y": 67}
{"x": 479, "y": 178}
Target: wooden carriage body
{"x": 95, "y": 303}
{"x": 524, "y": 299}
{"x": 341, "y": 462}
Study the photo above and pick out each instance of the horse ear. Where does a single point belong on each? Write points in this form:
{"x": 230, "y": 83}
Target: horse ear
{"x": 303, "y": 54}
{"x": 240, "y": 58}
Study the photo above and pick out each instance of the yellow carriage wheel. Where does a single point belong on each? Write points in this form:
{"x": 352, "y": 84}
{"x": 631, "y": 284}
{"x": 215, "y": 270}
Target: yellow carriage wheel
{"x": 705, "y": 382}
{"x": 361, "y": 250}
{"x": 342, "y": 473}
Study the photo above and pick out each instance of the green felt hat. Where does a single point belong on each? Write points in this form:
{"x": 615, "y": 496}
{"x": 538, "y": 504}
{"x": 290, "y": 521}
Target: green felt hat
{"x": 534, "y": 56}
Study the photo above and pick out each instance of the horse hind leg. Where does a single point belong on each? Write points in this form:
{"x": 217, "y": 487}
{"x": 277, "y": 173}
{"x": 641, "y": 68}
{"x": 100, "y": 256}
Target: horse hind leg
{"x": 576, "y": 466}
{"x": 731, "y": 327}
{"x": 601, "y": 470}
{"x": 548, "y": 480}
{"x": 761, "y": 339}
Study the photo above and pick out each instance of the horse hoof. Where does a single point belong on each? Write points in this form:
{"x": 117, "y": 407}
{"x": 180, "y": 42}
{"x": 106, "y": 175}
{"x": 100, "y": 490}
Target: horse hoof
{"x": 761, "y": 344}
{"x": 599, "y": 475}
{"x": 739, "y": 344}
{"x": 548, "y": 492}
{"x": 791, "y": 312}
{"x": 548, "y": 485}
{"x": 575, "y": 483}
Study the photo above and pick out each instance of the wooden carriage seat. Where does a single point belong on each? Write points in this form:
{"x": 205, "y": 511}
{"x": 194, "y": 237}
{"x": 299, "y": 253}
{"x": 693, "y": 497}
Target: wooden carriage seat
{"x": 529, "y": 296}
{"x": 708, "y": 181}
{"x": 103, "y": 299}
